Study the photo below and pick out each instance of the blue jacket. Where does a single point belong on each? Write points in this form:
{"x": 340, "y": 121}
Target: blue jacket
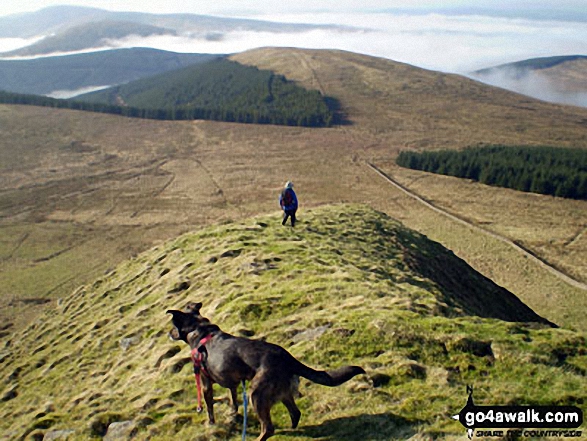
{"x": 294, "y": 200}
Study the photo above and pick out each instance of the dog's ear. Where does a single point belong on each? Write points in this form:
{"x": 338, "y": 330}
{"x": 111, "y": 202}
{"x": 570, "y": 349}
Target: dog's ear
{"x": 193, "y": 308}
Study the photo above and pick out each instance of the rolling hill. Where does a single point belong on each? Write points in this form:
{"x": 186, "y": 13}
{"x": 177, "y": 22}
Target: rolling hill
{"x": 349, "y": 285}
{"x": 561, "y": 79}
{"x": 67, "y": 74}
{"x": 69, "y": 28}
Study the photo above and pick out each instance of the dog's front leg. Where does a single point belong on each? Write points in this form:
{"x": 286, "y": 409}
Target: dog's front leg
{"x": 209, "y": 397}
{"x": 233, "y": 400}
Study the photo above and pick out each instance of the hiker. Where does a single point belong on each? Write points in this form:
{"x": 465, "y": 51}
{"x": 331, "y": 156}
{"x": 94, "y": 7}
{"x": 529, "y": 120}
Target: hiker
{"x": 289, "y": 203}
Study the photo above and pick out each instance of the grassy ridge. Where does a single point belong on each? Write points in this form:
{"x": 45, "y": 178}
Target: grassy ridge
{"x": 343, "y": 287}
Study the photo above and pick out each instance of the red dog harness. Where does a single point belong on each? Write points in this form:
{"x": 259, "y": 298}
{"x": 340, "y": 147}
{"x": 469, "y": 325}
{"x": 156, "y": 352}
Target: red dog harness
{"x": 197, "y": 359}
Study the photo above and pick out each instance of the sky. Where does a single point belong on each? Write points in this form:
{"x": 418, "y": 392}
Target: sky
{"x": 456, "y": 36}
{"x": 231, "y": 7}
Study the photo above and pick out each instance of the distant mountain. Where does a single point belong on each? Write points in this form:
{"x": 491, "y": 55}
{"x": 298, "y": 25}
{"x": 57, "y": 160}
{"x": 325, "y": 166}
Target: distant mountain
{"x": 45, "y": 76}
{"x": 68, "y": 28}
{"x": 47, "y": 21}
{"x": 561, "y": 79}
{"x": 89, "y": 36}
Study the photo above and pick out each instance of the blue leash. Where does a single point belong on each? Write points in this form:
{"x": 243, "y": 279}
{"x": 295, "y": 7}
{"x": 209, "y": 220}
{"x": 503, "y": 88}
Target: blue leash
{"x": 245, "y": 411}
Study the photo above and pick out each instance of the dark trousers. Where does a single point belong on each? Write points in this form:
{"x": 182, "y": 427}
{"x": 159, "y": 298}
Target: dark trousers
{"x": 288, "y": 213}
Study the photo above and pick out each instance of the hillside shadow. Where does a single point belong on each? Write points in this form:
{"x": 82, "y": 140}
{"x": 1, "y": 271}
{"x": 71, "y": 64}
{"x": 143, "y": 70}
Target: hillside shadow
{"x": 339, "y": 117}
{"x": 462, "y": 287}
{"x": 366, "y": 427}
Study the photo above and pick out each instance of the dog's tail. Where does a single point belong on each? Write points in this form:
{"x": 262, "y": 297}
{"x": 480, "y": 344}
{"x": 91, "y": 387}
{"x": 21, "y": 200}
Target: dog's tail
{"x": 328, "y": 378}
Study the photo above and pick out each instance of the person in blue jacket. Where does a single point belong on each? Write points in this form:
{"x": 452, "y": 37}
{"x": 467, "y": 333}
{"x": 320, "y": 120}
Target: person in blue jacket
{"x": 289, "y": 203}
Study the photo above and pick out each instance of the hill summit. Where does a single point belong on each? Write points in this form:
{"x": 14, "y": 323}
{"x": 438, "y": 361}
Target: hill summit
{"x": 348, "y": 284}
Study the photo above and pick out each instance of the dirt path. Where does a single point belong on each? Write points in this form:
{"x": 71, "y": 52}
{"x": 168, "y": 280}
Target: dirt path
{"x": 457, "y": 219}
{"x": 307, "y": 64}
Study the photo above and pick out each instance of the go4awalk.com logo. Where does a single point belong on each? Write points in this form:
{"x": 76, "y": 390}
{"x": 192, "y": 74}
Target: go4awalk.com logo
{"x": 520, "y": 421}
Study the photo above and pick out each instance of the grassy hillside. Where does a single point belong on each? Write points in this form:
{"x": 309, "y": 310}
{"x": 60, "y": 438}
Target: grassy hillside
{"x": 394, "y": 106}
{"x": 349, "y": 284}
{"x": 421, "y": 109}
{"x": 106, "y": 68}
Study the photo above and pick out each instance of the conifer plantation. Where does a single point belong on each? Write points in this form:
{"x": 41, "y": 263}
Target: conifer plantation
{"x": 219, "y": 90}
{"x": 546, "y": 170}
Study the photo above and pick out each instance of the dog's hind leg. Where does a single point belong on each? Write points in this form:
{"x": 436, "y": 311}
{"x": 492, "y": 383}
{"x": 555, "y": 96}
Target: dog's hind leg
{"x": 263, "y": 409}
{"x": 289, "y": 401}
{"x": 263, "y": 398}
{"x": 294, "y": 412}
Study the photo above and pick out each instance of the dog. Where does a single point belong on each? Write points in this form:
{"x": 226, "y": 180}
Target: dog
{"x": 227, "y": 360}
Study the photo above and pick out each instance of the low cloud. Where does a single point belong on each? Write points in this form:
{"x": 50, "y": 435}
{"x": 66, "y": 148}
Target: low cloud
{"x": 65, "y": 94}
{"x": 457, "y": 43}
{"x": 11, "y": 44}
{"x": 531, "y": 83}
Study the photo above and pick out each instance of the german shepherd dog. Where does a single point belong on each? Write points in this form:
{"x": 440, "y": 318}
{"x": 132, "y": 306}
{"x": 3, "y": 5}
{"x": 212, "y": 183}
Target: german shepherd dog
{"x": 227, "y": 360}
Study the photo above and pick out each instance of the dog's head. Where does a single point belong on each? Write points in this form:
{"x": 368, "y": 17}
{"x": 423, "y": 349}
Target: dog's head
{"x": 189, "y": 325}
{"x": 186, "y": 321}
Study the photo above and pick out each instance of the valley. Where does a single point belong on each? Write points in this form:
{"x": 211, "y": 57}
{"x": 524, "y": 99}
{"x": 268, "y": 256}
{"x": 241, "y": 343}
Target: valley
{"x": 129, "y": 179}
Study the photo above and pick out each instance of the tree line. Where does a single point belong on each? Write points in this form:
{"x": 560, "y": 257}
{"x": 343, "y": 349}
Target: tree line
{"x": 228, "y": 114}
{"x": 546, "y": 170}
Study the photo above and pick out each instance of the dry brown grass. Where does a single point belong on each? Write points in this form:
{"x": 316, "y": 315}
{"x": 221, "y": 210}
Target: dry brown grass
{"x": 80, "y": 192}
